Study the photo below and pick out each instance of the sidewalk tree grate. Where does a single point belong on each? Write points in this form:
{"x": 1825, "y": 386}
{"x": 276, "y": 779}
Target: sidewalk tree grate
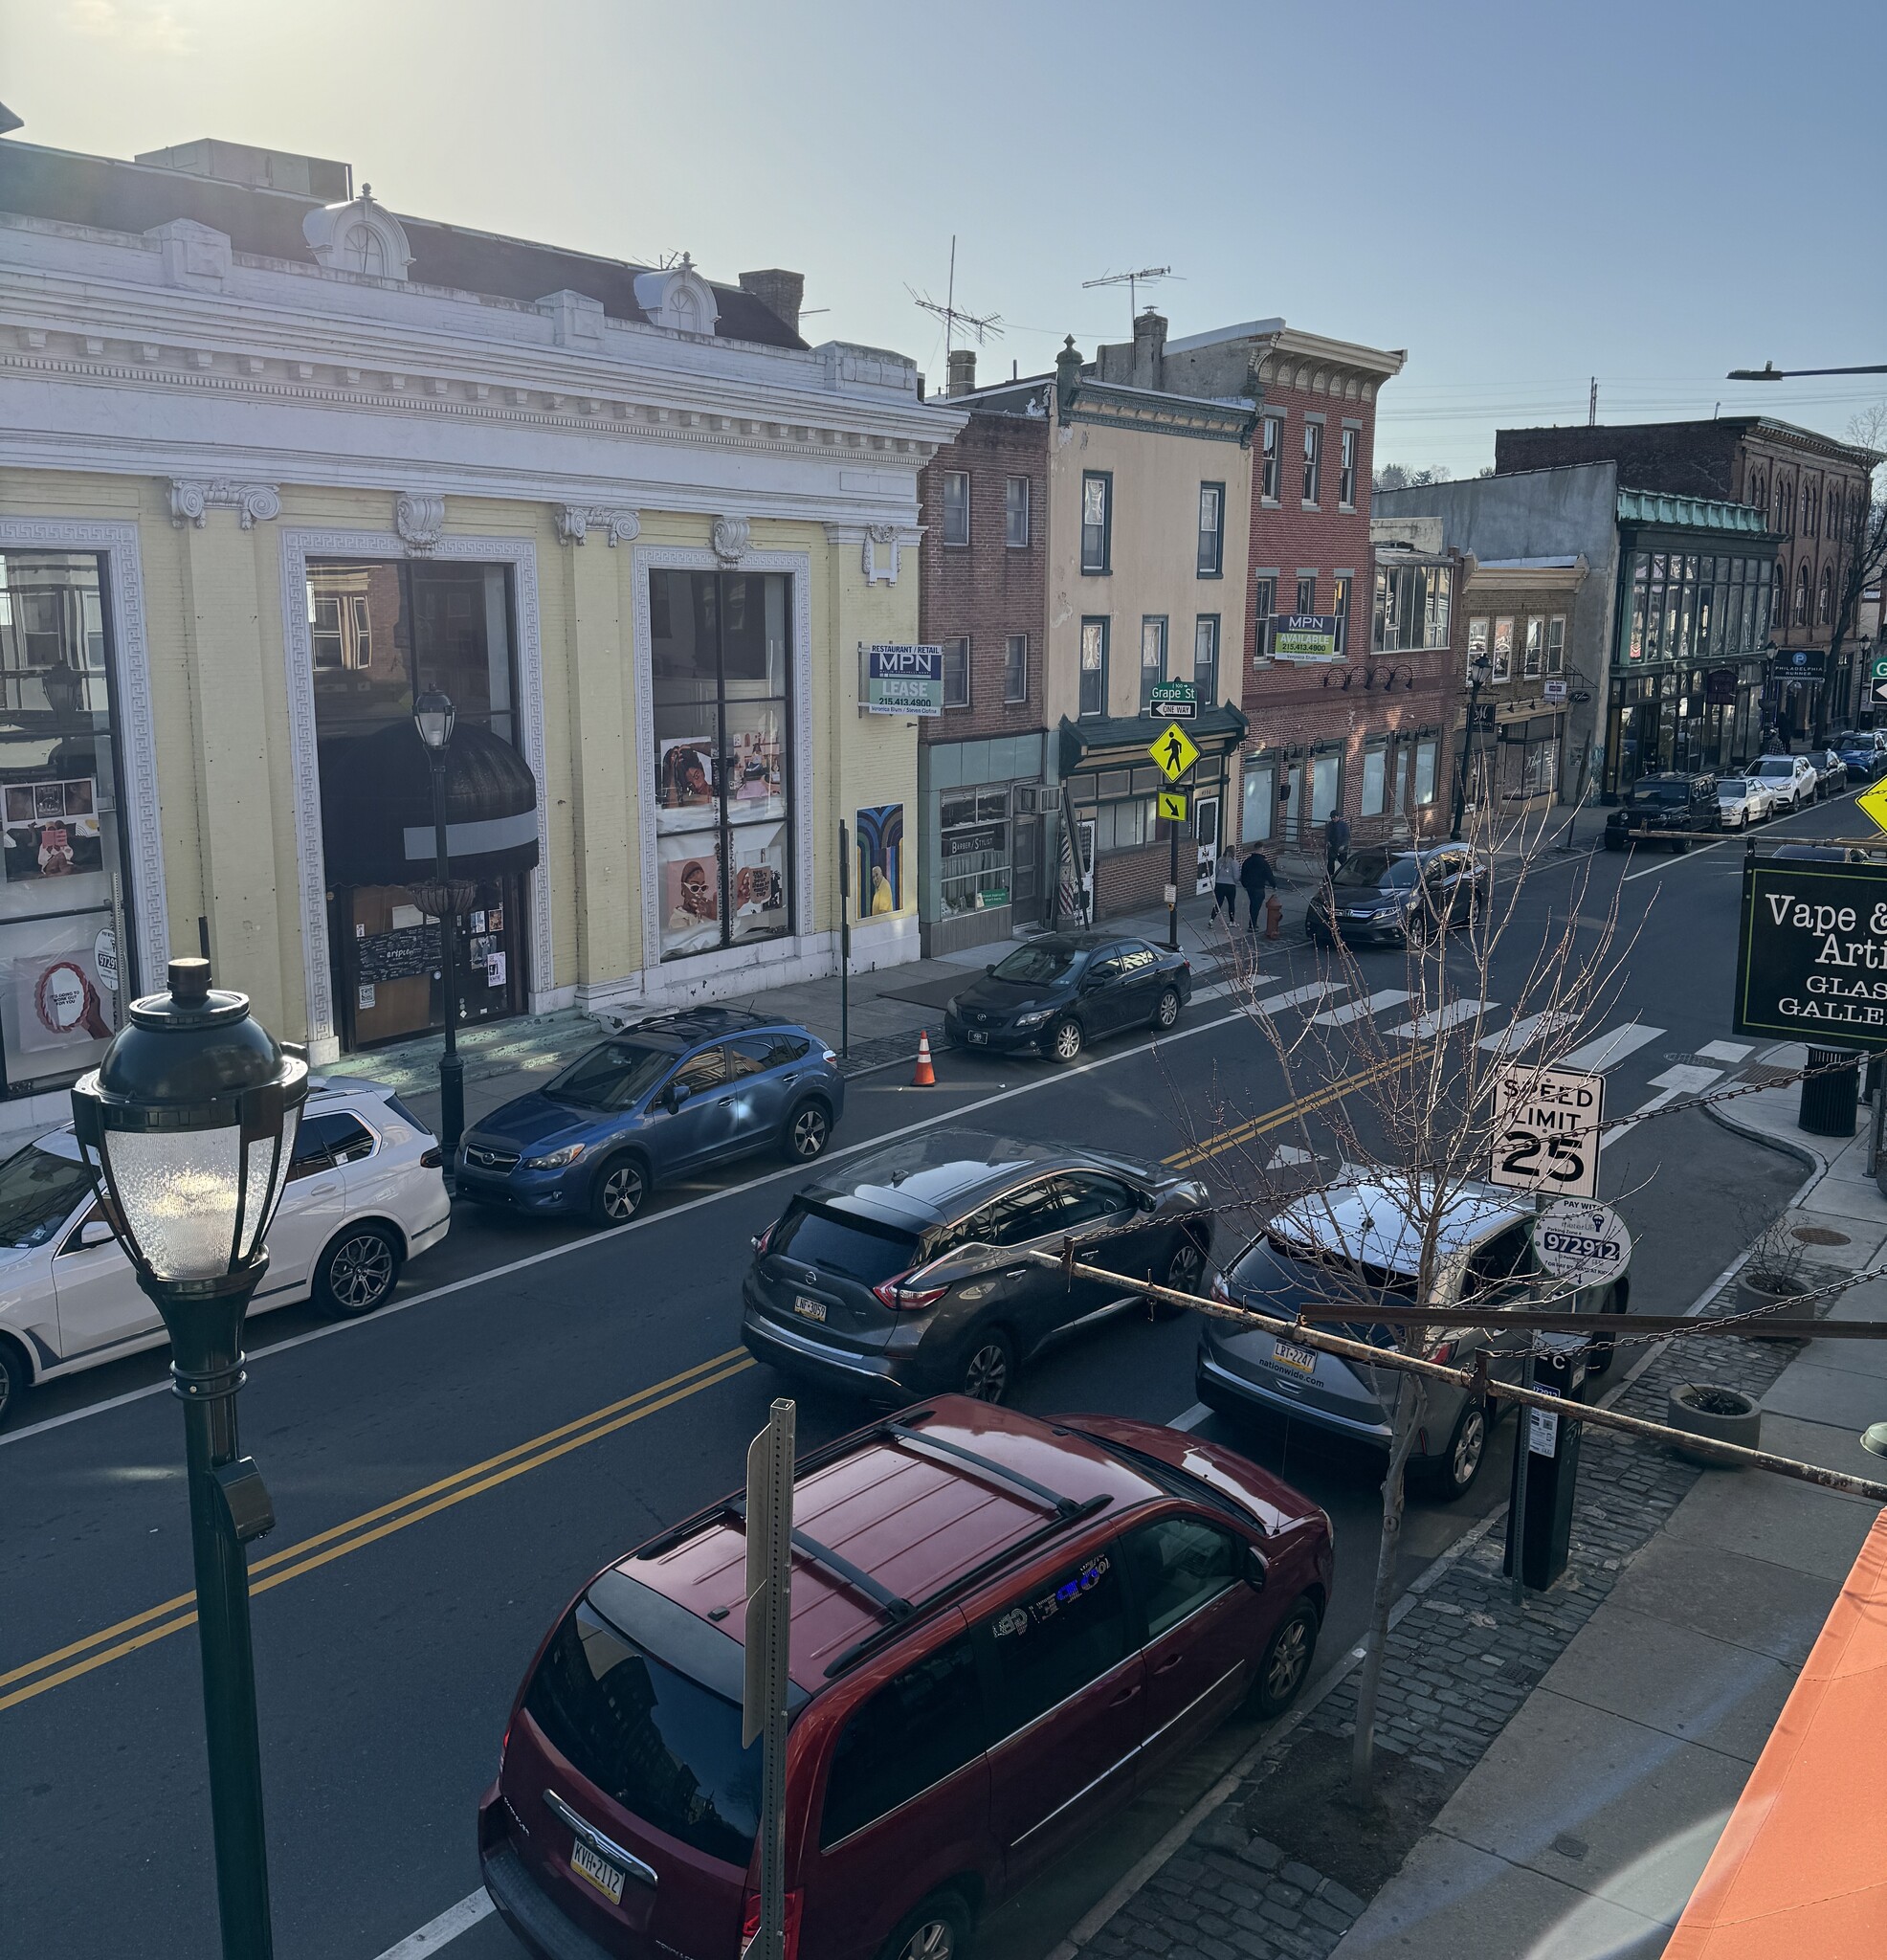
{"x": 1820, "y": 1234}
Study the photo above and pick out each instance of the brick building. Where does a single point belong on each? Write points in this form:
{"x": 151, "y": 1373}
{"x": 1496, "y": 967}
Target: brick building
{"x": 1813, "y": 494}
{"x": 1519, "y": 613}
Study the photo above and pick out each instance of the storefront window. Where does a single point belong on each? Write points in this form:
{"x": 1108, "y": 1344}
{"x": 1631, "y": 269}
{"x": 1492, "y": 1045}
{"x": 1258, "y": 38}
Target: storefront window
{"x": 973, "y": 832}
{"x": 1425, "y": 772}
{"x": 1325, "y": 786}
{"x": 1374, "y": 773}
{"x": 1261, "y": 802}
{"x": 721, "y": 666}
{"x": 64, "y": 947}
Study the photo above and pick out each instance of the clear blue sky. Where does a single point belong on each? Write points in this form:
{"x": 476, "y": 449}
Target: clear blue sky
{"x": 1521, "y": 195}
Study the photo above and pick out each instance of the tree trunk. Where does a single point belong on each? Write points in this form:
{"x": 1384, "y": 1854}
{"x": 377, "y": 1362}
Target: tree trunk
{"x": 1409, "y": 1397}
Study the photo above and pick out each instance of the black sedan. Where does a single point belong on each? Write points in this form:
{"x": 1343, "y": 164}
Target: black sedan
{"x": 1054, "y": 996}
{"x": 1385, "y": 897}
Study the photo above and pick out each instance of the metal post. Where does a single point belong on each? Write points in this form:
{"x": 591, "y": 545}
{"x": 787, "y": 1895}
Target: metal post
{"x": 1523, "y": 1448}
{"x": 205, "y": 1371}
{"x": 844, "y": 942}
{"x": 1461, "y": 761}
{"x": 769, "y": 1525}
{"x": 1172, "y": 874}
{"x": 452, "y": 1071}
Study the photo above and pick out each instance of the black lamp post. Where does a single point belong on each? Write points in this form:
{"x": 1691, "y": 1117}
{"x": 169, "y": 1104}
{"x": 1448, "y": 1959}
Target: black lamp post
{"x": 188, "y": 1124}
{"x": 434, "y": 715}
{"x": 1480, "y": 669}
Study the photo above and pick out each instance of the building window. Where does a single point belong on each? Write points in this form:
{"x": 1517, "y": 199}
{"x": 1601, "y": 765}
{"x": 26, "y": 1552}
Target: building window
{"x": 1346, "y": 480}
{"x": 1835, "y": 513}
{"x": 1535, "y": 656}
{"x": 1339, "y": 605}
{"x": 956, "y": 507}
{"x": 1476, "y": 640}
{"x": 1015, "y": 667}
{"x": 1825, "y": 602}
{"x": 956, "y": 672}
{"x": 1152, "y": 659}
{"x": 1258, "y": 796}
{"x": 1206, "y": 659}
{"x": 974, "y": 838}
{"x": 1097, "y": 520}
{"x": 1264, "y": 604}
{"x": 1271, "y": 457}
{"x": 1308, "y": 591}
{"x": 1211, "y": 529}
{"x": 1556, "y": 645}
{"x": 1124, "y": 825}
{"x": 1503, "y": 649}
{"x": 1015, "y": 513}
{"x": 1326, "y": 787}
{"x": 1374, "y": 782}
{"x": 1313, "y": 460}
{"x": 1785, "y": 507}
{"x": 1802, "y": 594}
{"x": 1425, "y": 772}
{"x": 1094, "y": 667}
{"x": 1411, "y": 608}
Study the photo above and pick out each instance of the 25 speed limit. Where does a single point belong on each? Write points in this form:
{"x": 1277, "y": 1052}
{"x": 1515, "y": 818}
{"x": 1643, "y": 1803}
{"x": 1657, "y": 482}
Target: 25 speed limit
{"x": 1546, "y": 1123}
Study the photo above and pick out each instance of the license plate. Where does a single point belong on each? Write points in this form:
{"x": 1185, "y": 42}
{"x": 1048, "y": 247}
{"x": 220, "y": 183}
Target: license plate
{"x": 809, "y": 1309}
{"x": 599, "y": 1871}
{"x": 977, "y": 1041}
{"x": 1298, "y": 1360}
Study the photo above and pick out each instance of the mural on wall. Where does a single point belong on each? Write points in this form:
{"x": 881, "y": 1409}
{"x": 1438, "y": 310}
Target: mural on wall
{"x": 880, "y": 860}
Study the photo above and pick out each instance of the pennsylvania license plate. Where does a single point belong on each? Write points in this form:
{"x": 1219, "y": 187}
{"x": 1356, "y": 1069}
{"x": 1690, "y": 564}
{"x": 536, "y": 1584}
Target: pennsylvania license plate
{"x": 599, "y": 1871}
{"x": 978, "y": 1041}
{"x": 1287, "y": 1355}
{"x": 809, "y": 1309}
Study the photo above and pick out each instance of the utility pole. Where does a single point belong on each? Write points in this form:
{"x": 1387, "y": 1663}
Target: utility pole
{"x": 1592, "y": 404}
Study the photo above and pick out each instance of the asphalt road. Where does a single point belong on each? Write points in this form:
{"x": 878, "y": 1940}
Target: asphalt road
{"x": 535, "y": 1400}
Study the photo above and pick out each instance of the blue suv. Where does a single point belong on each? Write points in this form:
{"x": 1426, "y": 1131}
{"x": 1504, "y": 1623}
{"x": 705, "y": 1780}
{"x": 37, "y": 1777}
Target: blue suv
{"x": 664, "y": 1097}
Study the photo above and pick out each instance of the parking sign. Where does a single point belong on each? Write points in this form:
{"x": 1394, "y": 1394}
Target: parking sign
{"x": 1546, "y": 1123}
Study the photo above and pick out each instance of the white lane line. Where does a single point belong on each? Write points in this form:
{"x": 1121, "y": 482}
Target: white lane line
{"x": 1612, "y": 1046}
{"x": 450, "y": 1923}
{"x": 953, "y": 1114}
{"x": 1439, "y": 1019}
{"x": 1343, "y": 1017}
{"x": 1731, "y": 1052}
{"x": 1510, "y": 1041}
{"x": 1638, "y": 1115}
{"x": 1192, "y": 1417}
{"x": 1684, "y": 857}
{"x": 1311, "y": 989}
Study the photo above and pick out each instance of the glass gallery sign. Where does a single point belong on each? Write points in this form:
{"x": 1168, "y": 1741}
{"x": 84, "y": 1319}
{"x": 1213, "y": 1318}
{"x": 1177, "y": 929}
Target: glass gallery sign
{"x": 902, "y": 681}
{"x": 1811, "y": 954}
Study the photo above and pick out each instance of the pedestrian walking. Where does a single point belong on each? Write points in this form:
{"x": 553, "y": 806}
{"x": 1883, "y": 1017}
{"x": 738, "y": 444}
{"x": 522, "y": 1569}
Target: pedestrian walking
{"x": 1257, "y": 878}
{"x": 1336, "y": 842}
{"x": 1224, "y": 885}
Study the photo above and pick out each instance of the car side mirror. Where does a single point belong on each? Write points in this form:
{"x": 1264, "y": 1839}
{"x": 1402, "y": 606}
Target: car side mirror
{"x": 1256, "y": 1569}
{"x": 990, "y": 969}
{"x": 676, "y": 1094}
{"x": 95, "y": 1232}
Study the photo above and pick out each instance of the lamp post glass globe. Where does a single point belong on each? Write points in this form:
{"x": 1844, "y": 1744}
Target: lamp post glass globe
{"x": 434, "y": 715}
{"x": 1873, "y": 1439}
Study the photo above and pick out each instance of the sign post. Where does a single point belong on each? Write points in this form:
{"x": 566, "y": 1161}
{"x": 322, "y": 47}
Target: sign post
{"x": 1176, "y": 752}
{"x": 844, "y": 941}
{"x": 770, "y": 1526}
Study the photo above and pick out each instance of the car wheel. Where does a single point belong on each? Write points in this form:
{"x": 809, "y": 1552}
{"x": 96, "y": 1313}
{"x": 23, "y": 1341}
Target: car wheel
{"x": 358, "y": 1271}
{"x": 15, "y": 1379}
{"x": 1065, "y": 1041}
{"x": 618, "y": 1194}
{"x": 1451, "y": 1475}
{"x": 1184, "y": 1270}
{"x": 1680, "y": 845}
{"x": 989, "y": 1368}
{"x": 1284, "y": 1665}
{"x": 1167, "y": 1012}
{"x": 808, "y": 1131}
{"x": 939, "y": 1929}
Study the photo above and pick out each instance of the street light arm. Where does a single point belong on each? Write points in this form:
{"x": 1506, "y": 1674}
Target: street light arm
{"x": 1768, "y": 371}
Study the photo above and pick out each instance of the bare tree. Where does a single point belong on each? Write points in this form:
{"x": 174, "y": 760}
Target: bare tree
{"x": 1863, "y": 537}
{"x": 1400, "y": 477}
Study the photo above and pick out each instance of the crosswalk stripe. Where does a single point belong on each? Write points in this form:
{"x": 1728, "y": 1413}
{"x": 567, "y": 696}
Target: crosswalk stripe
{"x": 1356, "y": 1010}
{"x": 1726, "y": 1051}
{"x": 1439, "y": 1019}
{"x": 1522, "y": 1034}
{"x": 1312, "y": 990}
{"x": 1611, "y": 1047}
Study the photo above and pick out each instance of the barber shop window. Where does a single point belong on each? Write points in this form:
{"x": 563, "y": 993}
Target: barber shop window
{"x": 722, "y": 663}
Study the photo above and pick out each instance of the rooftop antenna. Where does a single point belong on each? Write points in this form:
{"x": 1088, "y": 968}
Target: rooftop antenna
{"x": 1147, "y": 276}
{"x": 981, "y": 325}
{"x": 1592, "y": 405}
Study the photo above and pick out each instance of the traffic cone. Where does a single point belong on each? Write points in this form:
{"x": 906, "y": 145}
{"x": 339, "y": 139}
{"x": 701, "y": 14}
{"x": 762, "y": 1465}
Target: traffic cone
{"x": 926, "y": 1075}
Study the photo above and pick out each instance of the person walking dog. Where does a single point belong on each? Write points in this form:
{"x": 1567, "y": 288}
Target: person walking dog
{"x": 1257, "y": 878}
{"x": 1224, "y": 885}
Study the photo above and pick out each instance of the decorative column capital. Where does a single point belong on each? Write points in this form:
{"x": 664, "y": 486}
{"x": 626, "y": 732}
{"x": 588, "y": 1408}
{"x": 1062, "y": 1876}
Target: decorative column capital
{"x": 574, "y": 520}
{"x": 729, "y": 536}
{"x": 191, "y": 498}
{"x": 420, "y": 521}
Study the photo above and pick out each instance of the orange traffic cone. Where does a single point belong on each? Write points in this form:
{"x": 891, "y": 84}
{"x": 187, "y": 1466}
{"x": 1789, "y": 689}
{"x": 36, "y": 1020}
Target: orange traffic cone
{"x": 926, "y": 1075}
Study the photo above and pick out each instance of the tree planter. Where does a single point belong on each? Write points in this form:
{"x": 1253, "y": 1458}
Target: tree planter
{"x": 1760, "y": 1291}
{"x": 1726, "y": 1416}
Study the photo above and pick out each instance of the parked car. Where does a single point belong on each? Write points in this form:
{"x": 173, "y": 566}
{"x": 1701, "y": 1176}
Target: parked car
{"x": 1744, "y": 801}
{"x": 1054, "y": 996}
{"x": 1864, "y": 751}
{"x": 901, "y": 1277}
{"x": 670, "y": 1094}
{"x": 1384, "y": 896}
{"x": 1831, "y": 771}
{"x": 1002, "y": 1628}
{"x": 1361, "y": 1238}
{"x": 1792, "y": 780}
{"x": 364, "y": 1193}
{"x": 1666, "y": 803}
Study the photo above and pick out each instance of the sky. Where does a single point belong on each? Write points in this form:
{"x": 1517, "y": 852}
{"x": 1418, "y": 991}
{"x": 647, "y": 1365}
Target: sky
{"x": 1522, "y": 196}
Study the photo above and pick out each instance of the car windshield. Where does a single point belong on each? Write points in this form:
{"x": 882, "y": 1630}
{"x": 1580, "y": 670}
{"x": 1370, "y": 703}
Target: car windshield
{"x": 37, "y": 1194}
{"x": 611, "y": 1076}
{"x": 1377, "y": 871}
{"x": 1776, "y": 766}
{"x": 1661, "y": 792}
{"x": 1732, "y": 787}
{"x": 1041, "y": 965}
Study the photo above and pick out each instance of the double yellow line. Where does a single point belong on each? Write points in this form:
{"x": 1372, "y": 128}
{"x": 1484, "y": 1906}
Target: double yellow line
{"x": 1293, "y": 1111}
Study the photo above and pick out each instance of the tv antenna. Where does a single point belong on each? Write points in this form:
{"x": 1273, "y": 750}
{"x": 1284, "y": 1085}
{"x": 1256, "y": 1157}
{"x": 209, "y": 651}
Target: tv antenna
{"x": 980, "y": 325}
{"x": 1147, "y": 276}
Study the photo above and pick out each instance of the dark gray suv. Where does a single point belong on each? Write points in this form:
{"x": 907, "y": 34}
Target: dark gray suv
{"x": 902, "y": 1279}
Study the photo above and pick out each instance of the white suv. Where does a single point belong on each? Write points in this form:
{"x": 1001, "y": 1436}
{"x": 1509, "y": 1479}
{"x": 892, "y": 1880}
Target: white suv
{"x": 1789, "y": 779}
{"x": 364, "y": 1193}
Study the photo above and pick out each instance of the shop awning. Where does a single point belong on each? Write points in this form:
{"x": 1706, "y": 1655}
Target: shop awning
{"x": 1114, "y": 739}
{"x": 377, "y": 807}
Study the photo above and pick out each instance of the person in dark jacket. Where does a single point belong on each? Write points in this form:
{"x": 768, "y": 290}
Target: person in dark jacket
{"x": 1257, "y": 878}
{"x": 1336, "y": 842}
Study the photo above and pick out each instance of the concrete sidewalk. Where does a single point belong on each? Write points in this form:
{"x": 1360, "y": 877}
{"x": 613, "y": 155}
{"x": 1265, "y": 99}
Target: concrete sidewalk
{"x": 1588, "y": 1821}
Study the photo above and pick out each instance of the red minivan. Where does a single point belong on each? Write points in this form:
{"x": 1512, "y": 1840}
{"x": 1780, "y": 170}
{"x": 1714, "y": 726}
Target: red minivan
{"x": 1001, "y": 1628}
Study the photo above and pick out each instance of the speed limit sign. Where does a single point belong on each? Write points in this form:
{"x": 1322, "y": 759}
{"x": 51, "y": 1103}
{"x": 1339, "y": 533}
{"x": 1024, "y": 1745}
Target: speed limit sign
{"x": 1546, "y": 1123}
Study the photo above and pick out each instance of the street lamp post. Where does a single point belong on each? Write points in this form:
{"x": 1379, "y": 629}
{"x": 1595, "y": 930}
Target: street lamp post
{"x": 434, "y": 715}
{"x": 187, "y": 1125}
{"x": 1480, "y": 669}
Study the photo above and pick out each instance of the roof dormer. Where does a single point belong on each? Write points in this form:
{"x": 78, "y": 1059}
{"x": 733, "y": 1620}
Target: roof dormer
{"x": 678, "y": 297}
{"x": 359, "y": 237}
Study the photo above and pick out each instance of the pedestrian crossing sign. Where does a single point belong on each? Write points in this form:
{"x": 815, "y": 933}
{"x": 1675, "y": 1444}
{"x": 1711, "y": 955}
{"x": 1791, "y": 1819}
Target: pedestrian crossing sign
{"x": 1873, "y": 803}
{"x": 1174, "y": 750}
{"x": 1172, "y": 806}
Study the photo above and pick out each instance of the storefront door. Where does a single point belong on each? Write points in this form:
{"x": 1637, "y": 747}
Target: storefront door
{"x": 1206, "y": 843}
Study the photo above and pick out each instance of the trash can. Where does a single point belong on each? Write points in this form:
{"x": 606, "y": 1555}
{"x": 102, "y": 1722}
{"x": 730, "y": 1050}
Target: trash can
{"x": 1829, "y": 1101}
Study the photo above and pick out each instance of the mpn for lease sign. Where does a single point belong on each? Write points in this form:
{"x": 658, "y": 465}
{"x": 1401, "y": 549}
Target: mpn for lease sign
{"x": 1811, "y": 956}
{"x": 905, "y": 680}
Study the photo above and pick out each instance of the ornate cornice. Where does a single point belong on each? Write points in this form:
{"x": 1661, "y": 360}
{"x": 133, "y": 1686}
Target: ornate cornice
{"x": 574, "y": 520}
{"x": 190, "y": 499}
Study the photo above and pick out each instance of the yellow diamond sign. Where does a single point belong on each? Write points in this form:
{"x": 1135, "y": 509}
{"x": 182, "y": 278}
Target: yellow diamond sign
{"x": 1176, "y": 751}
{"x": 1874, "y": 803}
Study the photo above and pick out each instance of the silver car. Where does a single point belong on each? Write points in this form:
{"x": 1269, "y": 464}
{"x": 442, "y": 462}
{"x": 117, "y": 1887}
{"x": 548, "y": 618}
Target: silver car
{"x": 1359, "y": 1238}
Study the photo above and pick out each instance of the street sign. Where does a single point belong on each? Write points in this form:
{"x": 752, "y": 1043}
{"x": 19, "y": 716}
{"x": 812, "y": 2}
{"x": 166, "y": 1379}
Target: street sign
{"x": 1304, "y": 637}
{"x": 904, "y": 681}
{"x": 1873, "y": 803}
{"x": 1546, "y": 1130}
{"x": 1177, "y": 699}
{"x": 1812, "y": 953}
{"x": 1878, "y": 690}
{"x": 1174, "y": 750}
{"x": 1172, "y": 806}
{"x": 1800, "y": 664}
{"x": 1554, "y": 691}
{"x": 1582, "y": 1240}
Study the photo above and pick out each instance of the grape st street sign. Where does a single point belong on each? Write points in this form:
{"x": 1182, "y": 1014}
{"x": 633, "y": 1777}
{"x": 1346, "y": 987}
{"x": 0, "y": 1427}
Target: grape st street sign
{"x": 1811, "y": 954}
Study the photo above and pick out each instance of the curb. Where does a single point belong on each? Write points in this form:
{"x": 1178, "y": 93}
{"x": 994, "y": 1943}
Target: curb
{"x": 1787, "y": 1146}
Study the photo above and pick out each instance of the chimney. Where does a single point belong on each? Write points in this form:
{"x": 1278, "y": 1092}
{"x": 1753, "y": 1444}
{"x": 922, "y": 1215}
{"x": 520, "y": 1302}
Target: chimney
{"x": 779, "y": 292}
{"x": 962, "y": 371}
{"x": 1150, "y": 348}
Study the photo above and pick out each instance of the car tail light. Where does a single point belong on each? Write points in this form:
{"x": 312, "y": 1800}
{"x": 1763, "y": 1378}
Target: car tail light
{"x": 750, "y": 1922}
{"x": 1219, "y": 1291}
{"x": 903, "y": 1299}
{"x": 433, "y": 1158}
{"x": 502, "y": 1747}
{"x": 832, "y": 1060}
{"x": 1442, "y": 1354}
{"x": 760, "y": 1245}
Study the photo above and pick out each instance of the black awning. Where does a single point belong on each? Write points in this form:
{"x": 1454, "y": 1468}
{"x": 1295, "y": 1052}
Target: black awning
{"x": 377, "y": 807}
{"x": 1110, "y": 741}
